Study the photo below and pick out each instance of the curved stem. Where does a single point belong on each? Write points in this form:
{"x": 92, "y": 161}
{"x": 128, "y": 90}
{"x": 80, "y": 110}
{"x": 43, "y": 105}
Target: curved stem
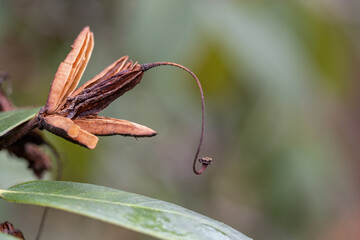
{"x": 148, "y": 66}
{"x": 42, "y": 223}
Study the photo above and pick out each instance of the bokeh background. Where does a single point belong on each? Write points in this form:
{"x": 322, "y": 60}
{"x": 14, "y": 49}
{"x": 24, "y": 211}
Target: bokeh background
{"x": 282, "y": 89}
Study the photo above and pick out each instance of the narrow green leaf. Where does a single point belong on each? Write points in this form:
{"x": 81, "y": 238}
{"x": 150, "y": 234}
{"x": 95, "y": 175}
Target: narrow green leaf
{"x": 12, "y": 119}
{"x": 138, "y": 213}
{"x": 4, "y": 236}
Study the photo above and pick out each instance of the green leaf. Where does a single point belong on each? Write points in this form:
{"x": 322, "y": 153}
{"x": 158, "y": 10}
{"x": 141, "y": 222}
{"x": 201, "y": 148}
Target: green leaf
{"x": 138, "y": 213}
{"x": 12, "y": 119}
{"x": 4, "y": 236}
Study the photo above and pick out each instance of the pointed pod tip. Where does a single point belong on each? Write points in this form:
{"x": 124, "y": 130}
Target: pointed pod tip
{"x": 149, "y": 132}
{"x": 141, "y": 130}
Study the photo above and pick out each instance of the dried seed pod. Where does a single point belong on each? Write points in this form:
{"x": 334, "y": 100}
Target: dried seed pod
{"x": 73, "y": 114}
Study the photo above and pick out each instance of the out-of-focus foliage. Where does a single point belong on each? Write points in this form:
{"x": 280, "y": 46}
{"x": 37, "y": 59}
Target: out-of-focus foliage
{"x": 281, "y": 83}
{"x": 4, "y": 236}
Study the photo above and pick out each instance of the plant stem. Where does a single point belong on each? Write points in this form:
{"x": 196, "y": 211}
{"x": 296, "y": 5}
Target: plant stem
{"x": 42, "y": 223}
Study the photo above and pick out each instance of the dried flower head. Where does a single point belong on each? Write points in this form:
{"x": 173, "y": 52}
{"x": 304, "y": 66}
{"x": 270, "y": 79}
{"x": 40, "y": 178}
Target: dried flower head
{"x": 73, "y": 114}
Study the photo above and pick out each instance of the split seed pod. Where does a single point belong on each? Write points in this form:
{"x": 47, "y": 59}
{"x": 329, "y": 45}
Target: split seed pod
{"x": 73, "y": 114}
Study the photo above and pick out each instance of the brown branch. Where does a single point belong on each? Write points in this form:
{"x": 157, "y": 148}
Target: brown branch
{"x": 19, "y": 132}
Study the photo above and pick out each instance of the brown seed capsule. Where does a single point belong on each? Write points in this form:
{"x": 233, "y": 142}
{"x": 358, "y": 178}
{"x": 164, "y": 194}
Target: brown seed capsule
{"x": 73, "y": 114}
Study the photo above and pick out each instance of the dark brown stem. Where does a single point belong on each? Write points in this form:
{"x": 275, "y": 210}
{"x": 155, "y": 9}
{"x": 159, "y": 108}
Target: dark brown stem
{"x": 42, "y": 223}
{"x": 19, "y": 132}
{"x": 148, "y": 66}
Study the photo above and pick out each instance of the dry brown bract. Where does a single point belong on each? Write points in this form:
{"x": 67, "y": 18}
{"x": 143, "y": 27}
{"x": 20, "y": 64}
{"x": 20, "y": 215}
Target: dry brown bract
{"x": 73, "y": 114}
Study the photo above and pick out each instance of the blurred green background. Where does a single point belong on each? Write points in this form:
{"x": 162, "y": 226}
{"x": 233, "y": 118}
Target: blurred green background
{"x": 282, "y": 91}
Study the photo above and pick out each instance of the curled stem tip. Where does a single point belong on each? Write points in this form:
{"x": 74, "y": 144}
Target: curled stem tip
{"x": 204, "y": 161}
